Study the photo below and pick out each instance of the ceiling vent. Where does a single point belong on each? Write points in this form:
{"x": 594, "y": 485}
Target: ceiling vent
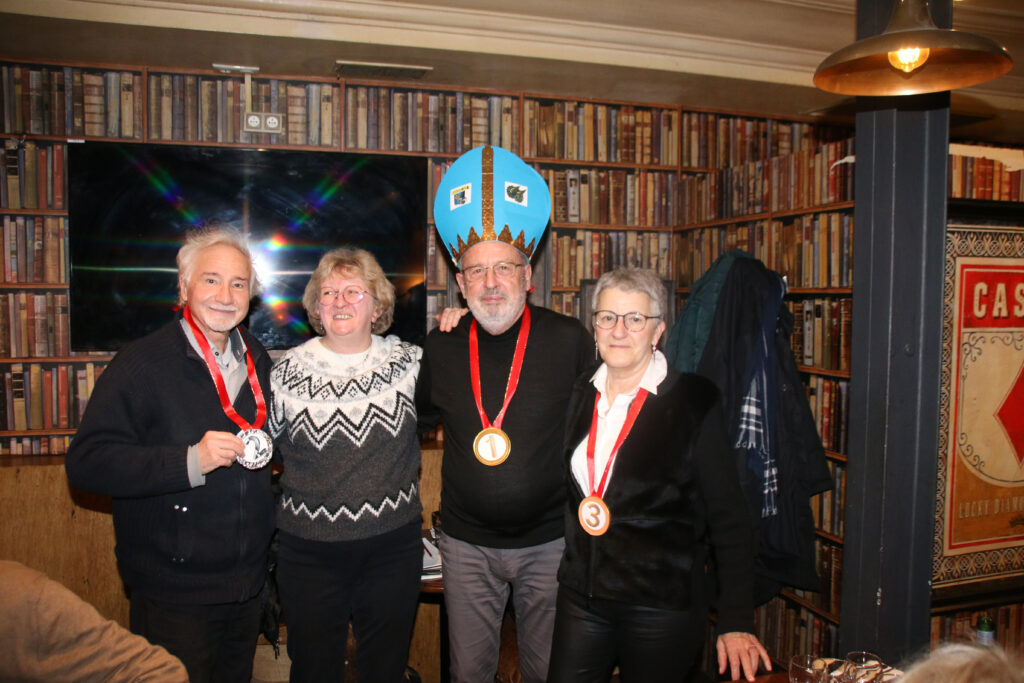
{"x": 344, "y": 68}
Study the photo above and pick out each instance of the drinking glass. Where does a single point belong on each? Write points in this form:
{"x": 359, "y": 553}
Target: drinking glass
{"x": 861, "y": 667}
{"x": 806, "y": 669}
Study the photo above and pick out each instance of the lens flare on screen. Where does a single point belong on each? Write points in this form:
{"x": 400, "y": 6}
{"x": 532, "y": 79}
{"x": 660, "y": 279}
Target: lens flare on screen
{"x": 325, "y": 189}
{"x": 163, "y": 183}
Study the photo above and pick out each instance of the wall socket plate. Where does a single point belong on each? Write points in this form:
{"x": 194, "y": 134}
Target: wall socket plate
{"x": 262, "y": 122}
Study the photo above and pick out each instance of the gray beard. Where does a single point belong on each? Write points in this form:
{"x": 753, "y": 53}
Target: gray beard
{"x": 496, "y": 323}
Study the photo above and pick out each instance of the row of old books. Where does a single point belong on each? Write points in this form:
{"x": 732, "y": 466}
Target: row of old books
{"x": 696, "y": 250}
{"x": 787, "y": 628}
{"x": 723, "y": 140}
{"x": 829, "y": 403}
{"x": 587, "y": 254}
{"x": 33, "y": 175}
{"x": 827, "y": 507}
{"x": 603, "y": 133}
{"x": 35, "y": 445}
{"x": 434, "y": 122}
{"x": 34, "y": 324}
{"x": 727, "y": 193}
{"x": 44, "y": 396}
{"x": 436, "y": 302}
{"x": 70, "y": 101}
{"x": 437, "y": 269}
{"x": 812, "y": 177}
{"x": 961, "y": 626}
{"x": 810, "y": 250}
{"x": 805, "y": 179}
{"x": 817, "y": 249}
{"x": 615, "y": 196}
{"x": 198, "y": 108}
{"x": 828, "y": 561}
{"x": 984, "y": 178}
{"x": 35, "y": 249}
{"x": 822, "y": 332}
{"x": 567, "y": 303}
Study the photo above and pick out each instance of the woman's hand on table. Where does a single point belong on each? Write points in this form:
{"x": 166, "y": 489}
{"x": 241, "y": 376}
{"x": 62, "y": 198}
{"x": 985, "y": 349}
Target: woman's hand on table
{"x": 738, "y": 650}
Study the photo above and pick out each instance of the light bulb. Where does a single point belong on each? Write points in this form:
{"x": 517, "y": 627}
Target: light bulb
{"x": 907, "y": 59}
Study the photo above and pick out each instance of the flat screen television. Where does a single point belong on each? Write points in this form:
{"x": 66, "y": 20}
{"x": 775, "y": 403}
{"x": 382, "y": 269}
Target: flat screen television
{"x": 130, "y": 206}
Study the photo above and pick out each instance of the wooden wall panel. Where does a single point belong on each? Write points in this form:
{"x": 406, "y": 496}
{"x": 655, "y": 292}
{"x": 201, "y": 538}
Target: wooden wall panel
{"x": 69, "y": 536}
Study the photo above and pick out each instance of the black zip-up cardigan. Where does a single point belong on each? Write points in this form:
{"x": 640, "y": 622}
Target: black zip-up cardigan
{"x": 674, "y": 495}
{"x": 201, "y": 545}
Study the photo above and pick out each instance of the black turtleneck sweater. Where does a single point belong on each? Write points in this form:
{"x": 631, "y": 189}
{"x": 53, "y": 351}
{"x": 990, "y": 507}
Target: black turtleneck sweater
{"x": 518, "y": 503}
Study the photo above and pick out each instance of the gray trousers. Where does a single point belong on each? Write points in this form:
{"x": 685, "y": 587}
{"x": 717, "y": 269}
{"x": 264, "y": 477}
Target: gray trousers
{"x": 477, "y": 582}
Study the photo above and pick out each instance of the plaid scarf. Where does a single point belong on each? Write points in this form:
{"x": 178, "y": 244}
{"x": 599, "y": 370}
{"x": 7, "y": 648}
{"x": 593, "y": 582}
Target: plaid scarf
{"x": 756, "y": 430}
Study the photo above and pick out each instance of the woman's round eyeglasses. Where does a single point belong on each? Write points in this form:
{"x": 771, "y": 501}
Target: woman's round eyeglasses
{"x": 350, "y": 295}
{"x": 633, "y": 321}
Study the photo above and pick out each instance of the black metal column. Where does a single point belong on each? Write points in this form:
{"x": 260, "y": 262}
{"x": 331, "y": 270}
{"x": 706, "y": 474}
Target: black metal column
{"x": 899, "y": 219}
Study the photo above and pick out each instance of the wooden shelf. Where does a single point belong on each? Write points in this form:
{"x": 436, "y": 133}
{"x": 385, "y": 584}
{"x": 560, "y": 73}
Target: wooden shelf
{"x": 32, "y": 285}
{"x": 833, "y": 538}
{"x": 548, "y": 161}
{"x": 33, "y": 212}
{"x": 828, "y": 616}
{"x": 827, "y": 291}
{"x": 37, "y": 432}
{"x": 842, "y": 374}
{"x": 823, "y": 208}
{"x": 832, "y": 455}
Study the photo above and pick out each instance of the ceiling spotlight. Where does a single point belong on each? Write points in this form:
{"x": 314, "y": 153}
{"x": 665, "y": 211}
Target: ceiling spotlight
{"x": 912, "y": 56}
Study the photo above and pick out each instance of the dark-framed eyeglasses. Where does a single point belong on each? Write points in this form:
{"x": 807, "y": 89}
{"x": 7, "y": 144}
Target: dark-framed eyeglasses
{"x": 350, "y": 295}
{"x": 503, "y": 270}
{"x": 633, "y": 321}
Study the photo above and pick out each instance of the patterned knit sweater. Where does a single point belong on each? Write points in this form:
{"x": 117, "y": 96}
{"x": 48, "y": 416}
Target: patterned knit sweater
{"x": 345, "y": 429}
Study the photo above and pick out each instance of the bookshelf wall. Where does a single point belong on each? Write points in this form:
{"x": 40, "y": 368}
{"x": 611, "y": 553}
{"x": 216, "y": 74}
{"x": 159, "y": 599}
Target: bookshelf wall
{"x": 632, "y": 184}
{"x": 786, "y": 198}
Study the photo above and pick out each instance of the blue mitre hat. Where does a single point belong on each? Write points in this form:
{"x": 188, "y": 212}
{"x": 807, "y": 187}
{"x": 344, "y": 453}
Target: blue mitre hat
{"x": 490, "y": 195}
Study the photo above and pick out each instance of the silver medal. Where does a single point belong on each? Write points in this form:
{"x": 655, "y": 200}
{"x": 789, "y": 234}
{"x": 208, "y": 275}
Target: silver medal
{"x": 258, "y": 448}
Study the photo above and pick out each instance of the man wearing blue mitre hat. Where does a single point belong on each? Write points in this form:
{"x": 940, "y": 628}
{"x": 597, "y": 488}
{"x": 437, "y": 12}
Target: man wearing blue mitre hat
{"x": 499, "y": 382}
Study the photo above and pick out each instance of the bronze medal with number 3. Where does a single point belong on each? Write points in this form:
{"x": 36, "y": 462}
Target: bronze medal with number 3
{"x": 594, "y": 515}
{"x": 491, "y": 446}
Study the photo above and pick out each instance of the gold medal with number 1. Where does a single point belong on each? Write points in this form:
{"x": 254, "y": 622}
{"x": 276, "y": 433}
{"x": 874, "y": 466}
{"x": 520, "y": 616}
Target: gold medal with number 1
{"x": 491, "y": 445}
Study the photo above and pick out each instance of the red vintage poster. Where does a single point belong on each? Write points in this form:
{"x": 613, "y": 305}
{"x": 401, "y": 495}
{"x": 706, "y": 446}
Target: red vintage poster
{"x": 981, "y": 469}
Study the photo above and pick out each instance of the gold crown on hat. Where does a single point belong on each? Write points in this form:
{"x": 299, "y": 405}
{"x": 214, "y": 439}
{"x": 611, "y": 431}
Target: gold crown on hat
{"x": 458, "y": 251}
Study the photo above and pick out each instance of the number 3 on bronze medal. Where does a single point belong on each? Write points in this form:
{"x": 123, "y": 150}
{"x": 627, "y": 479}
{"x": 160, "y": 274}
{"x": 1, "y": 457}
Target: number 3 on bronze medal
{"x": 594, "y": 515}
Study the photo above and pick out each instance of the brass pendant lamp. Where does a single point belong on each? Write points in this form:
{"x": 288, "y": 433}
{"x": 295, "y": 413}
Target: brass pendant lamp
{"x": 912, "y": 56}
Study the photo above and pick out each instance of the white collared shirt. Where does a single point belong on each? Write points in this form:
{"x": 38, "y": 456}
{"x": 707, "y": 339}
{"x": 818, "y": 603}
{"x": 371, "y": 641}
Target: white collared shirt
{"x": 610, "y": 419}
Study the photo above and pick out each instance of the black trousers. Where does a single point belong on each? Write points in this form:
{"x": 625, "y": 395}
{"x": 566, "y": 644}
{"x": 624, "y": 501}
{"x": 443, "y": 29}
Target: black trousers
{"x": 374, "y": 582}
{"x": 650, "y": 645}
{"x": 216, "y": 643}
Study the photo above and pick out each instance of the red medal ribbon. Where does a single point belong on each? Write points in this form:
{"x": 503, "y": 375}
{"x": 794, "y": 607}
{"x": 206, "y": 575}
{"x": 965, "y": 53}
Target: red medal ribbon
{"x": 218, "y": 379}
{"x": 513, "y": 375}
{"x": 634, "y": 410}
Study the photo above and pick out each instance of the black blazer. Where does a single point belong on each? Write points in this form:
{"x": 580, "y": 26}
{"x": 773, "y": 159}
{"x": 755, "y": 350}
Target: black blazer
{"x": 673, "y": 495}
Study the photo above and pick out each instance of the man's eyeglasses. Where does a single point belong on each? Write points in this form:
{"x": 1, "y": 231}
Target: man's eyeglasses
{"x": 350, "y": 295}
{"x": 503, "y": 270}
{"x": 634, "y": 321}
